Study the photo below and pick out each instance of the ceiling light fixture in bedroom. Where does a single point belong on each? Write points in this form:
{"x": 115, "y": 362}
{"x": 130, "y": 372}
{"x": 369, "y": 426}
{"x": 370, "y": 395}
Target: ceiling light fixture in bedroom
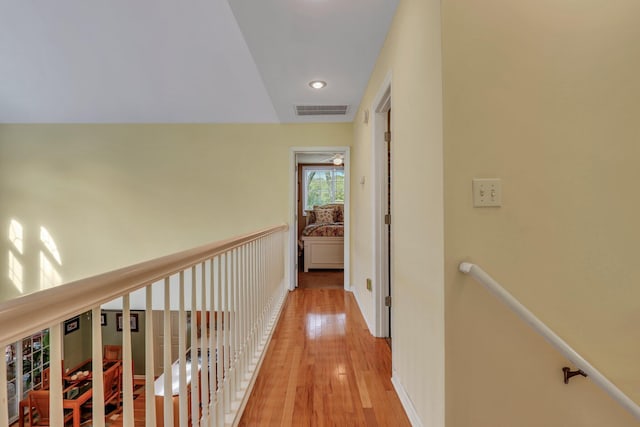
{"x": 317, "y": 84}
{"x": 337, "y": 159}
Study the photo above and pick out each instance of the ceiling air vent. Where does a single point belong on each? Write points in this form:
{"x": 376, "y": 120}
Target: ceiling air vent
{"x": 321, "y": 110}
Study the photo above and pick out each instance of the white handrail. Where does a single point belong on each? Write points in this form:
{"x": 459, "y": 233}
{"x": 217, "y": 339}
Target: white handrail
{"x": 231, "y": 362}
{"x": 25, "y": 315}
{"x": 565, "y": 349}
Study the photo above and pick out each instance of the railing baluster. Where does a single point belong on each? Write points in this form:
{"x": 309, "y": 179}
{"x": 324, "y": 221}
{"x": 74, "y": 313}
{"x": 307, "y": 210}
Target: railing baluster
{"x": 127, "y": 364}
{"x": 250, "y": 304}
{"x": 243, "y": 314}
{"x": 4, "y": 408}
{"x": 55, "y": 375}
{"x": 204, "y": 374}
{"x": 254, "y": 301}
{"x": 261, "y": 289}
{"x": 97, "y": 381}
{"x": 166, "y": 344}
{"x": 195, "y": 371}
{"x": 265, "y": 293}
{"x": 225, "y": 336}
{"x": 218, "y": 356}
{"x": 230, "y": 330}
{"x": 235, "y": 321}
{"x": 182, "y": 351}
{"x": 269, "y": 244}
{"x": 256, "y": 290}
{"x": 212, "y": 342}
{"x": 149, "y": 370}
{"x": 213, "y": 345}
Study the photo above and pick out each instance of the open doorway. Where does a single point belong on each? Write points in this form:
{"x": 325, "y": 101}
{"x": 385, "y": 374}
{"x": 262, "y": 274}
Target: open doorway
{"x": 383, "y": 218}
{"x": 319, "y": 206}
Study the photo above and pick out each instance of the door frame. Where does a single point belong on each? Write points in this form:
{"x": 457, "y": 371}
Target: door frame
{"x": 380, "y": 107}
{"x": 293, "y": 210}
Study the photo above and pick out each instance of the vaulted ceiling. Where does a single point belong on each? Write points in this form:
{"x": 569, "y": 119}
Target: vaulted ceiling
{"x": 198, "y": 61}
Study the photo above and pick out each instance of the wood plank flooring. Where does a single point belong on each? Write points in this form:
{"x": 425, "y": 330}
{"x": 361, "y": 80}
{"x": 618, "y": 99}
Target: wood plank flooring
{"x": 321, "y": 279}
{"x": 323, "y": 368}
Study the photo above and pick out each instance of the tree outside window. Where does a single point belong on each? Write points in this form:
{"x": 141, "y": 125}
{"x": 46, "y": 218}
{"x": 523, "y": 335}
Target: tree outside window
{"x": 322, "y": 185}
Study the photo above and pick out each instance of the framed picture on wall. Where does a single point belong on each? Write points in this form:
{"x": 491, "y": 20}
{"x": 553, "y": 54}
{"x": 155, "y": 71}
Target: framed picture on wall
{"x": 71, "y": 325}
{"x": 133, "y": 318}
{"x": 103, "y": 319}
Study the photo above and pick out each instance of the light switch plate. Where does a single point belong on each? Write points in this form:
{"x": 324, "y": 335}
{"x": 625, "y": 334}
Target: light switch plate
{"x": 487, "y": 192}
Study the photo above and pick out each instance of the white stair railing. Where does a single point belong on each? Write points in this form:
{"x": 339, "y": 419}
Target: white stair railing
{"x": 551, "y": 337}
{"x": 235, "y": 287}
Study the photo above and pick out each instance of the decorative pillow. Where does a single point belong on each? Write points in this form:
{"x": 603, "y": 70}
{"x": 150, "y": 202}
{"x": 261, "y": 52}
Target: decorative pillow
{"x": 339, "y": 213}
{"x": 324, "y": 216}
{"x": 311, "y": 217}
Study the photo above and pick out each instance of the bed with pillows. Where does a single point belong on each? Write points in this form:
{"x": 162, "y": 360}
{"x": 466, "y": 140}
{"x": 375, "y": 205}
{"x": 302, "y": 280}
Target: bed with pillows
{"x": 322, "y": 239}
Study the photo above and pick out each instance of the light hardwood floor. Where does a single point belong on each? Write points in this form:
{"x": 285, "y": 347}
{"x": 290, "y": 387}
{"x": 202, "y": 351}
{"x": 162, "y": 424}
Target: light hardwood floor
{"x": 321, "y": 279}
{"x": 323, "y": 368}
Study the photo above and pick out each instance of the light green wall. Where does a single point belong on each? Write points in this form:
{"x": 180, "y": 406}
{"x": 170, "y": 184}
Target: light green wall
{"x": 112, "y": 195}
{"x": 77, "y": 344}
{"x": 110, "y": 335}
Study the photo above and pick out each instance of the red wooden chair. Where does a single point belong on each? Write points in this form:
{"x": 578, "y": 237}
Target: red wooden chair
{"x": 39, "y": 403}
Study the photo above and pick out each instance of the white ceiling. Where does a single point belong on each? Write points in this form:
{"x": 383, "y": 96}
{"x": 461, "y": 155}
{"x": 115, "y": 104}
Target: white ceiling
{"x": 155, "y": 61}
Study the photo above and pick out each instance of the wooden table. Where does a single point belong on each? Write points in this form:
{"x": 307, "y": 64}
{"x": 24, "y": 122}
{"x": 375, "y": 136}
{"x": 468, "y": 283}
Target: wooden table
{"x": 74, "y": 404}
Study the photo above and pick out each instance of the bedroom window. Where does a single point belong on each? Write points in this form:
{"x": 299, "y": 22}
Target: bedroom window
{"x": 322, "y": 185}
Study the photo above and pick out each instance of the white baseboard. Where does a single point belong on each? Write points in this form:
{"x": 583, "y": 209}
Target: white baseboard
{"x": 354, "y": 291}
{"x": 407, "y": 404}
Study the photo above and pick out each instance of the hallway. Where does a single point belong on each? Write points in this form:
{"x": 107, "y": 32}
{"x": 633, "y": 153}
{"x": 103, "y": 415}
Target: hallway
{"x": 323, "y": 367}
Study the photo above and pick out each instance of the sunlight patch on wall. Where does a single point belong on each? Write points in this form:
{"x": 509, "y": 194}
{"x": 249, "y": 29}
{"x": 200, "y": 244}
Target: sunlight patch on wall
{"x": 49, "y": 258}
{"x": 49, "y": 276}
{"x": 50, "y": 244}
{"x": 16, "y": 272}
{"x": 16, "y": 235}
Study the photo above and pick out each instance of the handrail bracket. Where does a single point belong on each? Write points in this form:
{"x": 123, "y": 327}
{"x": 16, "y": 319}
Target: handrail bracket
{"x": 568, "y": 374}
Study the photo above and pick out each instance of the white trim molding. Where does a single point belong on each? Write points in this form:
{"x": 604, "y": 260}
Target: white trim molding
{"x": 379, "y": 107}
{"x": 407, "y": 404}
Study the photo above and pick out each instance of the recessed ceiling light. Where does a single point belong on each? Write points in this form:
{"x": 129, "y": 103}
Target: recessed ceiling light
{"x": 317, "y": 84}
